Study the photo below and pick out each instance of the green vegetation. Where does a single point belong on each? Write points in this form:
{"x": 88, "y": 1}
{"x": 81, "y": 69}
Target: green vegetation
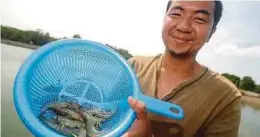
{"x": 246, "y": 82}
{"x": 123, "y": 52}
{"x": 76, "y": 36}
{"x": 233, "y": 78}
{"x": 40, "y": 38}
{"x": 26, "y": 36}
{"x": 257, "y": 89}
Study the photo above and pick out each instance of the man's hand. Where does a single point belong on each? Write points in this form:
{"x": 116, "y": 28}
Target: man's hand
{"x": 141, "y": 126}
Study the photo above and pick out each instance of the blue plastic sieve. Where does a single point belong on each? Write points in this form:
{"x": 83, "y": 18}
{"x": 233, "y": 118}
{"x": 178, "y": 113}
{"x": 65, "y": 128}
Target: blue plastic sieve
{"x": 86, "y": 72}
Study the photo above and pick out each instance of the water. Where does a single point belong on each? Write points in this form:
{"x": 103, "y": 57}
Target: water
{"x": 250, "y": 122}
{"x": 13, "y": 57}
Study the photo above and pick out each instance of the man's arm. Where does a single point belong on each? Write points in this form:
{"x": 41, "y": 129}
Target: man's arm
{"x": 226, "y": 124}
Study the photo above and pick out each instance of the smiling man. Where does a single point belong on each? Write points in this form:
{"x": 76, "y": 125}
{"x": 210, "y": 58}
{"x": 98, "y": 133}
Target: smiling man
{"x": 211, "y": 102}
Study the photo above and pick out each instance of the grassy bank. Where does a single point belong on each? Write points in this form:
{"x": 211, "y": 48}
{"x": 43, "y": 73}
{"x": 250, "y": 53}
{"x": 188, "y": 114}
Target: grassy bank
{"x": 254, "y": 102}
{"x": 250, "y": 98}
{"x": 19, "y": 44}
{"x": 249, "y": 93}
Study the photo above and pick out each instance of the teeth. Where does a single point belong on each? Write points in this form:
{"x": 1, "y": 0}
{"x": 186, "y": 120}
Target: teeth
{"x": 179, "y": 40}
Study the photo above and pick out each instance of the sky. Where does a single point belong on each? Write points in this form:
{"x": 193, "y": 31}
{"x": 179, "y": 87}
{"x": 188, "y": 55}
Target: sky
{"x": 136, "y": 25}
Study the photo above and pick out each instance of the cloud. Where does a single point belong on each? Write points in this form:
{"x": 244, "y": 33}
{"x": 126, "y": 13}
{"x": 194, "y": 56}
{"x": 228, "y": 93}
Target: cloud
{"x": 241, "y": 23}
{"x": 232, "y": 59}
{"x": 236, "y": 51}
{"x": 133, "y": 25}
{"x": 235, "y": 46}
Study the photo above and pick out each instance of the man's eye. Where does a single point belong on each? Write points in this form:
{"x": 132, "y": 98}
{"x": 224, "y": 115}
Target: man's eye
{"x": 175, "y": 14}
{"x": 200, "y": 20}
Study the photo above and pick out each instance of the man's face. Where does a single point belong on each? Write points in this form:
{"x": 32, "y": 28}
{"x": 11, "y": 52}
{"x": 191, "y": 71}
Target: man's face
{"x": 187, "y": 26}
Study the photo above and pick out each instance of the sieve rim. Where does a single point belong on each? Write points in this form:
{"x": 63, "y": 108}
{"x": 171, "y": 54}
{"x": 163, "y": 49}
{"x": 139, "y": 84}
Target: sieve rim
{"x": 31, "y": 122}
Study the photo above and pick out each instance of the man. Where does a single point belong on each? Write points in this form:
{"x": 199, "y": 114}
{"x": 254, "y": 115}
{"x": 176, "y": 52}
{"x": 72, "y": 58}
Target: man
{"x": 211, "y": 103}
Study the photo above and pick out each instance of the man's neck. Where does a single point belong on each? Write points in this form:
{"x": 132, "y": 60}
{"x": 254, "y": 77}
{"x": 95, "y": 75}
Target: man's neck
{"x": 181, "y": 67}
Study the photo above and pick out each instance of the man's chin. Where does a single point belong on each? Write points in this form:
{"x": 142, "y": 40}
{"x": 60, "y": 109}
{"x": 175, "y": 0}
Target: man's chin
{"x": 180, "y": 55}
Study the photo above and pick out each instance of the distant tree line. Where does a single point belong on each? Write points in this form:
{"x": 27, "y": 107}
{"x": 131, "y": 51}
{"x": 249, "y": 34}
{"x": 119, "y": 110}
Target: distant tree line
{"x": 246, "y": 82}
{"x": 40, "y": 38}
{"x": 123, "y": 52}
{"x": 35, "y": 37}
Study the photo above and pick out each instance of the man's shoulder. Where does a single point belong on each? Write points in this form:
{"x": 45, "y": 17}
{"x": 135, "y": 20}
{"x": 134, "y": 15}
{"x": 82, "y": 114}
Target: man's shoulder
{"x": 223, "y": 104}
{"x": 142, "y": 59}
{"x": 223, "y": 84}
{"x": 140, "y": 62}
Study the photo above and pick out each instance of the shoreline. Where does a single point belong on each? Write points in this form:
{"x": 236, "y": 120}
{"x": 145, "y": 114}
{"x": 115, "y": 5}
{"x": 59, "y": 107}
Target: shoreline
{"x": 248, "y": 97}
{"x": 19, "y": 44}
{"x": 250, "y": 101}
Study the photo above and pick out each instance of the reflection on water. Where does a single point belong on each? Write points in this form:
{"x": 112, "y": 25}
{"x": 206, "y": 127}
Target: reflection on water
{"x": 13, "y": 57}
{"x": 250, "y": 122}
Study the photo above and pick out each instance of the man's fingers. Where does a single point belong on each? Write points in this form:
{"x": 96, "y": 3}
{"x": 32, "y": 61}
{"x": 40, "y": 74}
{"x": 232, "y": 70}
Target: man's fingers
{"x": 139, "y": 107}
{"x": 125, "y": 135}
{"x": 130, "y": 134}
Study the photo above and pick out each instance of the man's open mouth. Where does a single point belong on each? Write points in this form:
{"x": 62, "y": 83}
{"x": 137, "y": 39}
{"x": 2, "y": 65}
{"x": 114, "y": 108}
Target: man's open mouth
{"x": 181, "y": 40}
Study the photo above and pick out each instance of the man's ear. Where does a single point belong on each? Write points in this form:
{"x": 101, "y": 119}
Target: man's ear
{"x": 211, "y": 33}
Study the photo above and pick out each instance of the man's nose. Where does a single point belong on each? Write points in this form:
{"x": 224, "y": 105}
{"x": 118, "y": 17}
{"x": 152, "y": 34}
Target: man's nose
{"x": 184, "y": 26}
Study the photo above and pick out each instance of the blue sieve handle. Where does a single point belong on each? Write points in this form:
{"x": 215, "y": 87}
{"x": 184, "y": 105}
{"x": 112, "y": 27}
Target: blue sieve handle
{"x": 162, "y": 108}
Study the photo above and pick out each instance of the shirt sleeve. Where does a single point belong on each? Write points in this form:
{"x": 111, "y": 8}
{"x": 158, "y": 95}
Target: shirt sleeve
{"x": 226, "y": 124}
{"x": 133, "y": 62}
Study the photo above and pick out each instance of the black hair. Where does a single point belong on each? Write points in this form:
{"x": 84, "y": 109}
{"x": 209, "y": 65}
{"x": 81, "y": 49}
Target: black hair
{"x": 217, "y": 13}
